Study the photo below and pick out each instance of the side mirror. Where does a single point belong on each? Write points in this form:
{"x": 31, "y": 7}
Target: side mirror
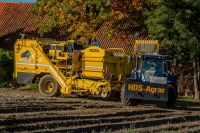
{"x": 134, "y": 75}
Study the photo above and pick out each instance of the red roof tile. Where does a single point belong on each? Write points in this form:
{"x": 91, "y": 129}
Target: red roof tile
{"x": 2, "y": 8}
{"x": 121, "y": 39}
{"x": 16, "y": 17}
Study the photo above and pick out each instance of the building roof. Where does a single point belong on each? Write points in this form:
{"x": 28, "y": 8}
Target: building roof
{"x": 16, "y": 17}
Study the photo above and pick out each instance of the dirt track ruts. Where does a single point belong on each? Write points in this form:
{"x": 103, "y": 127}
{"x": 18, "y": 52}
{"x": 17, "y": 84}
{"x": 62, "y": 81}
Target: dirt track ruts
{"x": 27, "y": 111}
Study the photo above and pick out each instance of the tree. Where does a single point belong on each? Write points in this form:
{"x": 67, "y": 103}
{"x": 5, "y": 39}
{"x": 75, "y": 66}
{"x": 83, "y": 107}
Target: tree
{"x": 176, "y": 24}
{"x": 82, "y": 18}
{"x": 73, "y": 17}
{"x": 6, "y": 67}
{"x": 127, "y": 18}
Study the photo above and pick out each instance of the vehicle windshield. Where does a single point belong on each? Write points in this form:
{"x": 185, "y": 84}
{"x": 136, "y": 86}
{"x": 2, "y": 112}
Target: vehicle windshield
{"x": 152, "y": 67}
{"x": 53, "y": 47}
{"x": 63, "y": 48}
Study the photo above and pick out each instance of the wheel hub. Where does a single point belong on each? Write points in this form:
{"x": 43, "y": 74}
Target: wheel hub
{"x": 49, "y": 86}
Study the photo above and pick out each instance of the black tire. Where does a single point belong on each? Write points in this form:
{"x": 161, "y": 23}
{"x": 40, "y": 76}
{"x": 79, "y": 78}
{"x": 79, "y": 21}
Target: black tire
{"x": 49, "y": 87}
{"x": 172, "y": 97}
{"x": 128, "y": 101}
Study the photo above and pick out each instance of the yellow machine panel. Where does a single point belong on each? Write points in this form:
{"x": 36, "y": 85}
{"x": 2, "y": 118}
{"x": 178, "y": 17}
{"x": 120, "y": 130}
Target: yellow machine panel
{"x": 146, "y": 46}
{"x": 93, "y": 62}
{"x": 104, "y": 64}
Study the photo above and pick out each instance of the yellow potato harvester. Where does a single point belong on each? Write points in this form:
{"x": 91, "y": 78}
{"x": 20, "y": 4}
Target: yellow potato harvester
{"x": 64, "y": 70}
{"x": 65, "y": 67}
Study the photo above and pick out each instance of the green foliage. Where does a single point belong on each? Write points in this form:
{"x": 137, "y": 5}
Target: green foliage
{"x": 74, "y": 17}
{"x": 6, "y": 67}
{"x": 176, "y": 24}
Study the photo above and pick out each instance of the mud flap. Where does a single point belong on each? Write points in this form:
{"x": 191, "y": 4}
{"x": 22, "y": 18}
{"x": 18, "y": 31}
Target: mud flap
{"x": 146, "y": 91}
{"x": 25, "y": 78}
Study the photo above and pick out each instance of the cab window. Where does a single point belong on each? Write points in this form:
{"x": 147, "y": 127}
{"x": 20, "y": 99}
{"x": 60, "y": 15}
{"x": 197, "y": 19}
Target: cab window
{"x": 52, "y": 47}
{"x": 61, "y": 48}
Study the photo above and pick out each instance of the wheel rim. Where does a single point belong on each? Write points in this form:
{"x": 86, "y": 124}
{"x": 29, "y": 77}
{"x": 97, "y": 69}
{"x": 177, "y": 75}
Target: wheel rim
{"x": 48, "y": 86}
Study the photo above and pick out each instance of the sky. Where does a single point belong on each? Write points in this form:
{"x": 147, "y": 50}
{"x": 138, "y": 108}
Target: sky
{"x": 17, "y": 0}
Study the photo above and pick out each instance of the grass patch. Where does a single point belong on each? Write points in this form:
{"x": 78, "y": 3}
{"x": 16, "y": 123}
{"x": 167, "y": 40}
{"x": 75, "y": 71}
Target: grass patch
{"x": 29, "y": 87}
{"x": 3, "y": 85}
{"x": 132, "y": 128}
{"x": 188, "y": 99}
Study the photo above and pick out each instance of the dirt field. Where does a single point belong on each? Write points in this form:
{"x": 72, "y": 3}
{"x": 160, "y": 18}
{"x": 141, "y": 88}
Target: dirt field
{"x": 27, "y": 111}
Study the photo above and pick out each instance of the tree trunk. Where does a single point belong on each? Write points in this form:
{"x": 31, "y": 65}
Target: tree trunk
{"x": 198, "y": 71}
{"x": 196, "y": 84}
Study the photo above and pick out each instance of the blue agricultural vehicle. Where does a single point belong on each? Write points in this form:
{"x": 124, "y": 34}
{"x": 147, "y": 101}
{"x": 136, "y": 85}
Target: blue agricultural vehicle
{"x": 152, "y": 79}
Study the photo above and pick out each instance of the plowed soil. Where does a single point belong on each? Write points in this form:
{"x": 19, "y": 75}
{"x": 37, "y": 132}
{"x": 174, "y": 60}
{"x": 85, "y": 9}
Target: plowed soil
{"x": 28, "y": 111}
